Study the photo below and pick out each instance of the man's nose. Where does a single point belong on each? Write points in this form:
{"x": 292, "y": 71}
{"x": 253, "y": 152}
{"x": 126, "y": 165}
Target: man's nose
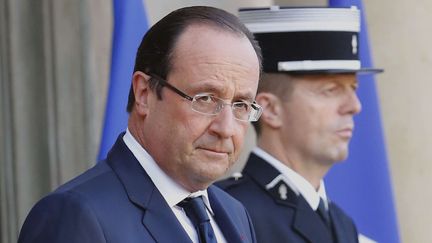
{"x": 352, "y": 104}
{"x": 223, "y": 124}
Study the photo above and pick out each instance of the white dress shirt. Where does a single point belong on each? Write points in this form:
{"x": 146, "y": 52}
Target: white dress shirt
{"x": 294, "y": 180}
{"x": 172, "y": 192}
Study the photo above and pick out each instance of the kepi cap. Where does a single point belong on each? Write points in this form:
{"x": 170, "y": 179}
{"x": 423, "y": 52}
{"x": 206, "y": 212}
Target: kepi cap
{"x": 307, "y": 40}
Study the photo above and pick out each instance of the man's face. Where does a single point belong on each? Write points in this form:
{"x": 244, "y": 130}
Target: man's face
{"x": 192, "y": 148}
{"x": 318, "y": 117}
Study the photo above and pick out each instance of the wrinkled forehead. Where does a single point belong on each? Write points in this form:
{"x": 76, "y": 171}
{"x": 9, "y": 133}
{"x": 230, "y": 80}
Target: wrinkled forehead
{"x": 207, "y": 53}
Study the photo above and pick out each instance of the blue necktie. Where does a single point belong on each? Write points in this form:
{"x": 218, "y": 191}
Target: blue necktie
{"x": 323, "y": 213}
{"x": 196, "y": 211}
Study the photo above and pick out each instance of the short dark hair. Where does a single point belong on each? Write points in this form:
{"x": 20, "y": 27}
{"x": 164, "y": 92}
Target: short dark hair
{"x": 154, "y": 54}
{"x": 279, "y": 84}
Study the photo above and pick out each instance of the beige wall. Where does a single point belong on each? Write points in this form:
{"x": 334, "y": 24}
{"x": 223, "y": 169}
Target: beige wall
{"x": 400, "y": 34}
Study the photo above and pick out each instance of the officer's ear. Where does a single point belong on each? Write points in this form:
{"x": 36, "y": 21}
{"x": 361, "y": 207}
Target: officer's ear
{"x": 272, "y": 109}
{"x": 141, "y": 89}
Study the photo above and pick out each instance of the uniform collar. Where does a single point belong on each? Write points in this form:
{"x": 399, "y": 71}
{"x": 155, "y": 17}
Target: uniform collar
{"x": 294, "y": 180}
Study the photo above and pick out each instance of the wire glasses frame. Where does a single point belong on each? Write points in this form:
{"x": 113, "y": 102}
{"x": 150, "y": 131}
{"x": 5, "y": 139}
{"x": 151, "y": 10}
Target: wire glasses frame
{"x": 211, "y": 105}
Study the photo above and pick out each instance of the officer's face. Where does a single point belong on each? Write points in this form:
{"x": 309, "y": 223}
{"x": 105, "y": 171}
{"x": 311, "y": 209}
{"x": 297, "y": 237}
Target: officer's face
{"x": 318, "y": 117}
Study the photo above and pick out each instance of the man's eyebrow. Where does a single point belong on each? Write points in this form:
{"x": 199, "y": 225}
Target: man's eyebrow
{"x": 246, "y": 96}
{"x": 219, "y": 89}
{"x": 209, "y": 86}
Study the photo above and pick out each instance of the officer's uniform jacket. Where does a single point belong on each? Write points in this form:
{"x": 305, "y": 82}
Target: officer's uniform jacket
{"x": 279, "y": 214}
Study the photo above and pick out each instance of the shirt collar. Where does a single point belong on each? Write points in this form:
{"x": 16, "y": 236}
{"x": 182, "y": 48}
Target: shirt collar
{"x": 295, "y": 181}
{"x": 172, "y": 192}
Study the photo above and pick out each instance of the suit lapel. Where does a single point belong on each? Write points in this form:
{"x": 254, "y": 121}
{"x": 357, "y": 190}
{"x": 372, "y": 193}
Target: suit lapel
{"x": 308, "y": 223}
{"x": 340, "y": 231}
{"x": 224, "y": 221}
{"x": 158, "y": 218}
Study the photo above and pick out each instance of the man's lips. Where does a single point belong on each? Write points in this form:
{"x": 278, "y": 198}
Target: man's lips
{"x": 218, "y": 151}
{"x": 345, "y": 132}
{"x": 215, "y": 153}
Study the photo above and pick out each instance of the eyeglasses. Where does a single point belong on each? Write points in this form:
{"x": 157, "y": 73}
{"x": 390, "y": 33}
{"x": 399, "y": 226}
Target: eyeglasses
{"x": 208, "y": 104}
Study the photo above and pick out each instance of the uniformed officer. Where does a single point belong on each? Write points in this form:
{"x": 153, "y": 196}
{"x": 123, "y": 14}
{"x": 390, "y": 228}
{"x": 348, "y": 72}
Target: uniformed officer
{"x": 308, "y": 92}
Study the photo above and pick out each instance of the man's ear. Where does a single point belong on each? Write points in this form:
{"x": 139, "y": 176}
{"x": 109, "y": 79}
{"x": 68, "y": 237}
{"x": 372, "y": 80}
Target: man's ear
{"x": 272, "y": 109}
{"x": 141, "y": 89}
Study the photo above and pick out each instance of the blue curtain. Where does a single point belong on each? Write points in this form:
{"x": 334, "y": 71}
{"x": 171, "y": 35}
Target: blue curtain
{"x": 361, "y": 185}
{"x": 130, "y": 24}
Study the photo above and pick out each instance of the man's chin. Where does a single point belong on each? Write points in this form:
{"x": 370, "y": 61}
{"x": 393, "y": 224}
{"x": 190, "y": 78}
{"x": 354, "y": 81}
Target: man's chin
{"x": 338, "y": 154}
{"x": 341, "y": 157}
{"x": 214, "y": 173}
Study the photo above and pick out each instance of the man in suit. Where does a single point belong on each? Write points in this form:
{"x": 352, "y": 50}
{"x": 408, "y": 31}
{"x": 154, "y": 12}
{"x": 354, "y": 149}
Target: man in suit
{"x": 191, "y": 99}
{"x": 308, "y": 93}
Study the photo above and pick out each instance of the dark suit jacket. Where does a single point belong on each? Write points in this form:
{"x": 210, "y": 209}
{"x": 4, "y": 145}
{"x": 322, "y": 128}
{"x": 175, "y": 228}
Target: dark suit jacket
{"x": 115, "y": 201}
{"x": 282, "y": 216}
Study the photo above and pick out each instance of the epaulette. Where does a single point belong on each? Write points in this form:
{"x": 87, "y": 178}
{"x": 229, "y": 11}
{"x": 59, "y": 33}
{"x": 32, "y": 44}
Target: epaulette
{"x": 280, "y": 190}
